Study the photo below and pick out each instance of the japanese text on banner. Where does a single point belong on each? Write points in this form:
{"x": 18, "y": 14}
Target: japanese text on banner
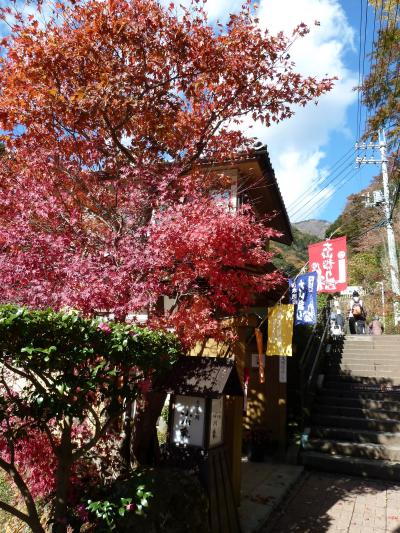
{"x": 280, "y": 330}
{"x": 329, "y": 260}
{"x": 303, "y": 294}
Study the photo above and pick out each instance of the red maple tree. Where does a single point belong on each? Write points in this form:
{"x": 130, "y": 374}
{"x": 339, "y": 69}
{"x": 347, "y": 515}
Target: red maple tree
{"x": 108, "y": 110}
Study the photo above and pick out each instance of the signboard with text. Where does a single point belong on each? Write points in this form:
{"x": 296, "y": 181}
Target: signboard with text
{"x": 303, "y": 294}
{"x": 329, "y": 260}
{"x": 188, "y": 421}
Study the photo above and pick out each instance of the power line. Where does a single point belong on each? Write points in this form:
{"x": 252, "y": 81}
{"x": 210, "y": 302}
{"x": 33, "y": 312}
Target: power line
{"x": 379, "y": 224}
{"x": 374, "y": 52}
{"x": 305, "y": 199}
{"x": 315, "y": 197}
{"x": 319, "y": 183}
{"x": 359, "y": 70}
{"x": 397, "y": 192}
{"x": 364, "y": 49}
{"x": 371, "y": 53}
{"x": 319, "y": 204}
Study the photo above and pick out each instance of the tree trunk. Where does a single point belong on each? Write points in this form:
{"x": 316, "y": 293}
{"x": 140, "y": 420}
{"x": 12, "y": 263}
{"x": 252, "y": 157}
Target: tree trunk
{"x": 63, "y": 474}
{"x": 145, "y": 444}
{"x": 125, "y": 448}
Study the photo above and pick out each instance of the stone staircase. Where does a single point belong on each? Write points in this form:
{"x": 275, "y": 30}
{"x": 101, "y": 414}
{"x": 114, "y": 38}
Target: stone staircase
{"x": 355, "y": 422}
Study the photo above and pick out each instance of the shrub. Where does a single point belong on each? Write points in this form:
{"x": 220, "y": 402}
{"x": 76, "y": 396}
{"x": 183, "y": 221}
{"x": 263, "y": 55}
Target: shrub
{"x": 177, "y": 503}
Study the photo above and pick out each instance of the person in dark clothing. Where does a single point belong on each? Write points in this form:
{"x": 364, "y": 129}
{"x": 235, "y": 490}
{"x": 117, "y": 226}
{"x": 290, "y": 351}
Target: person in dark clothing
{"x": 357, "y": 315}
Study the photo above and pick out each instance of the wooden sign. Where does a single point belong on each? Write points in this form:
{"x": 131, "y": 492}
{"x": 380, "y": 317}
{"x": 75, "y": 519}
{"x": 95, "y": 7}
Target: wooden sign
{"x": 188, "y": 421}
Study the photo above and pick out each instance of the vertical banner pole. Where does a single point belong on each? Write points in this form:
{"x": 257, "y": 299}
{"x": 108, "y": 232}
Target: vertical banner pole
{"x": 260, "y": 349}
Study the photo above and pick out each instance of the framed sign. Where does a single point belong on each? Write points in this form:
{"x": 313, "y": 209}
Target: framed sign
{"x": 188, "y": 420}
{"x": 216, "y": 418}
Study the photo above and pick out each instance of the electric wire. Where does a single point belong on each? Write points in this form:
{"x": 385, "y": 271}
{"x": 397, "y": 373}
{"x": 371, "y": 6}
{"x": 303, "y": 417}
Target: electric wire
{"x": 370, "y": 60}
{"x": 315, "y": 197}
{"x": 363, "y": 59}
{"x": 394, "y": 23}
{"x": 324, "y": 201}
{"x": 320, "y": 182}
{"x": 328, "y": 181}
{"x": 397, "y": 192}
{"x": 359, "y": 70}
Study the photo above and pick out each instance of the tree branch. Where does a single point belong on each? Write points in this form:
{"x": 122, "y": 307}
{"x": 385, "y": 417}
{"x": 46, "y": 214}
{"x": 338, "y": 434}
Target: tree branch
{"x": 15, "y": 512}
{"x": 32, "y": 519}
{"x": 116, "y": 141}
{"x": 25, "y": 375}
{"x": 99, "y": 432}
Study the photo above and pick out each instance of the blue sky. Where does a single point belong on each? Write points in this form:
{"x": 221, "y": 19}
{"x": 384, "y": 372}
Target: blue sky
{"x": 305, "y": 150}
{"x": 312, "y": 152}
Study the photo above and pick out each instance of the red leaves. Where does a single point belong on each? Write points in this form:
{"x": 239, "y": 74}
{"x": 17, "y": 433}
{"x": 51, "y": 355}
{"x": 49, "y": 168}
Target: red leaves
{"x": 108, "y": 109}
{"x": 201, "y": 255}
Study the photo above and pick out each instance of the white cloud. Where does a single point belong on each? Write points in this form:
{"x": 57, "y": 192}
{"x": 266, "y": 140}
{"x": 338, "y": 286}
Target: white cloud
{"x": 297, "y": 146}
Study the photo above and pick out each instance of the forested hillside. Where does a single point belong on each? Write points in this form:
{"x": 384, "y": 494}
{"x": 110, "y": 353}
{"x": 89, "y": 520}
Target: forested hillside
{"x": 364, "y": 227}
{"x": 291, "y": 259}
{"x": 368, "y": 264}
{"x": 367, "y": 245}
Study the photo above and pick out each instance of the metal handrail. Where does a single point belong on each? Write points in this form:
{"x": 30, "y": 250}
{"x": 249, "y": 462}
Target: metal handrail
{"x": 308, "y": 345}
{"x": 317, "y": 356}
{"x": 312, "y": 356}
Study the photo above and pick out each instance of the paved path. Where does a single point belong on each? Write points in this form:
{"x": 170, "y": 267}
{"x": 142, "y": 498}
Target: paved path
{"x": 264, "y": 486}
{"x": 333, "y": 503}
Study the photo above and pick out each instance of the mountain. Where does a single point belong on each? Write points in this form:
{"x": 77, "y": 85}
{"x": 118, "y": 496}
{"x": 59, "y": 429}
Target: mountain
{"x": 290, "y": 259}
{"x": 313, "y": 227}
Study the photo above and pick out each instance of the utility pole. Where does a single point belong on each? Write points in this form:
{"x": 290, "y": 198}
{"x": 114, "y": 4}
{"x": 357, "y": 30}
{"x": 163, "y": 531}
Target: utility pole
{"x": 381, "y": 283}
{"x": 392, "y": 252}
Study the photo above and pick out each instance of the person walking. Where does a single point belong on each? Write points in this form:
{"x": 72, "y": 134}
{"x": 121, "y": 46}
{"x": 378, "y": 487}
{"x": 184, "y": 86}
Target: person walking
{"x": 375, "y": 326}
{"x": 357, "y": 315}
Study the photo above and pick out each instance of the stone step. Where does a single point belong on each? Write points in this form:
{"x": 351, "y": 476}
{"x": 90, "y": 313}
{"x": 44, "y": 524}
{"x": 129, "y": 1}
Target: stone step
{"x": 367, "y": 354}
{"x": 356, "y": 412}
{"x": 358, "y": 338}
{"x": 352, "y": 465}
{"x": 351, "y": 435}
{"x": 359, "y": 367}
{"x": 381, "y": 363}
{"x": 360, "y": 394}
{"x": 364, "y": 373}
{"x": 338, "y": 421}
{"x": 366, "y": 347}
{"x": 390, "y": 357}
{"x": 370, "y": 339}
{"x": 355, "y": 449}
{"x": 390, "y": 353}
{"x": 361, "y": 383}
{"x": 379, "y": 339}
{"x": 362, "y": 403}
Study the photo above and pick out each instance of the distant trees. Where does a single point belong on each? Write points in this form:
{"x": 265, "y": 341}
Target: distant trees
{"x": 290, "y": 259}
{"x": 381, "y": 88}
{"x": 367, "y": 245}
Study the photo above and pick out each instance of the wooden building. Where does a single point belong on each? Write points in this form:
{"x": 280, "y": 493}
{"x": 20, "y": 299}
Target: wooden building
{"x": 253, "y": 180}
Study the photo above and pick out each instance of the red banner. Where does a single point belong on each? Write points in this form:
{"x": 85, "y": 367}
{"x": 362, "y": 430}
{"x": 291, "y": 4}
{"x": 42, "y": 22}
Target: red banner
{"x": 329, "y": 260}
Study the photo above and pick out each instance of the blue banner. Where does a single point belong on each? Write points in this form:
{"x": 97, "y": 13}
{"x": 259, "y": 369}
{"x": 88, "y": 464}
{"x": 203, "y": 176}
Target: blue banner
{"x": 303, "y": 294}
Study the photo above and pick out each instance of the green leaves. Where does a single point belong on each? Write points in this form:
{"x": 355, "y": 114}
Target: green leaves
{"x": 74, "y": 363}
{"x": 107, "y": 511}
